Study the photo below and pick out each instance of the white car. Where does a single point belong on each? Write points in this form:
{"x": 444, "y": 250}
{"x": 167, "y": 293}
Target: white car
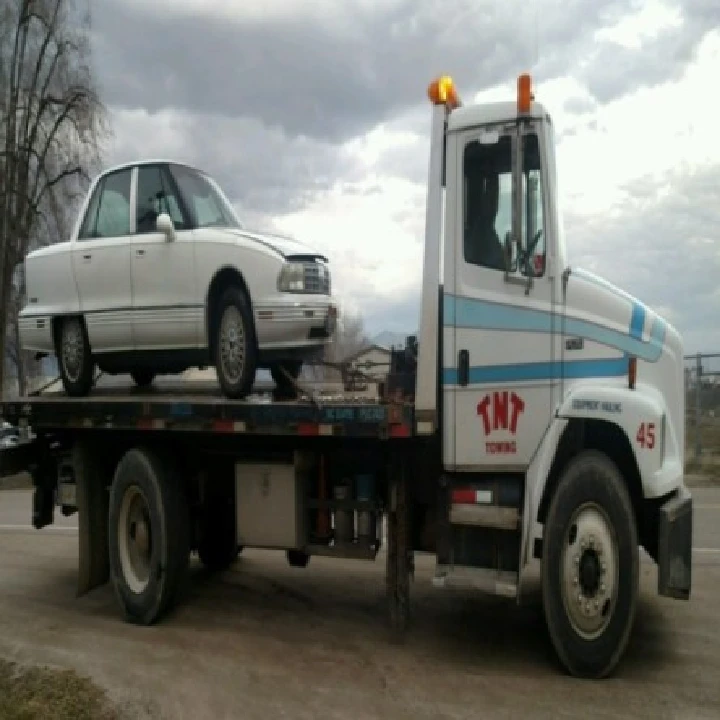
{"x": 160, "y": 276}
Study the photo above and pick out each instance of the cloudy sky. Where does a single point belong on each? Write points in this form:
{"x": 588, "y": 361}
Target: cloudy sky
{"x": 313, "y": 116}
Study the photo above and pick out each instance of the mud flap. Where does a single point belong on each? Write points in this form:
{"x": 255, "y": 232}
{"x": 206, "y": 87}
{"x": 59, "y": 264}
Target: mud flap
{"x": 92, "y": 501}
{"x": 675, "y": 526}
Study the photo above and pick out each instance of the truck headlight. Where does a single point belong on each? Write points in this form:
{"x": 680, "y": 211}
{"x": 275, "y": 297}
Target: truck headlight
{"x": 292, "y": 277}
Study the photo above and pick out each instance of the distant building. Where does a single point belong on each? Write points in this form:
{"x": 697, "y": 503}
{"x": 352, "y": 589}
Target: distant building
{"x": 372, "y": 360}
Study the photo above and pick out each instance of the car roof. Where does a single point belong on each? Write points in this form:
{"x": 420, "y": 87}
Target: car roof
{"x": 151, "y": 161}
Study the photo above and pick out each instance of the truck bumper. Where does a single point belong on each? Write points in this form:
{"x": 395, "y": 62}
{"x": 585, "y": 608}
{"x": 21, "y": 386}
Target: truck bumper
{"x": 675, "y": 525}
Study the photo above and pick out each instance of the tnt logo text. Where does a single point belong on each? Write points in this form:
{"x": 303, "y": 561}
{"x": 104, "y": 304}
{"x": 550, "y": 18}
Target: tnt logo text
{"x": 500, "y": 411}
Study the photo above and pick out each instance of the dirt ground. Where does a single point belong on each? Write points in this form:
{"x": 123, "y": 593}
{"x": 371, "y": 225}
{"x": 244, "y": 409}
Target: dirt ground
{"x": 268, "y": 641}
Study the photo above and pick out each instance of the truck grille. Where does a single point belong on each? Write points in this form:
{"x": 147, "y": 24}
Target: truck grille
{"x": 317, "y": 279}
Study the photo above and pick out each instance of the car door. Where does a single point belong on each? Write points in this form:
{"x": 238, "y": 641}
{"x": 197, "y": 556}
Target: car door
{"x": 498, "y": 382}
{"x": 167, "y": 315}
{"x": 101, "y": 263}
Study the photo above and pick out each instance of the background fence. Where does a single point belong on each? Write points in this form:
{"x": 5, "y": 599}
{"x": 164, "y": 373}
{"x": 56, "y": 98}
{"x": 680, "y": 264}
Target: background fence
{"x": 702, "y": 411}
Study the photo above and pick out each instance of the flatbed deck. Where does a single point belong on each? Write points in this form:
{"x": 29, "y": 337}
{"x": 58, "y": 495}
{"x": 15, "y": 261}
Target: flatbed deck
{"x": 195, "y": 406}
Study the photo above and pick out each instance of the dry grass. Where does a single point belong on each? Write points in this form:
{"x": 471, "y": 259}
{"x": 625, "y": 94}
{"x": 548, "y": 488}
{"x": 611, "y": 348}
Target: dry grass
{"x": 42, "y": 693}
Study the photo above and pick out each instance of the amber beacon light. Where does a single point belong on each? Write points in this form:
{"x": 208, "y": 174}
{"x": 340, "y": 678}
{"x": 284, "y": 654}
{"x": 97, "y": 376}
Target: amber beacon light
{"x": 524, "y": 94}
{"x": 442, "y": 92}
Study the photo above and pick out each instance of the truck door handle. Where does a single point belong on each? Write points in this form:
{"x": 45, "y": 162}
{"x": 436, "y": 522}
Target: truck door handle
{"x": 463, "y": 368}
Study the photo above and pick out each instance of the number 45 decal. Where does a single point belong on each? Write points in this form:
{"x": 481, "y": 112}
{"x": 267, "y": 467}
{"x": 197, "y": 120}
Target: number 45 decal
{"x": 646, "y": 435}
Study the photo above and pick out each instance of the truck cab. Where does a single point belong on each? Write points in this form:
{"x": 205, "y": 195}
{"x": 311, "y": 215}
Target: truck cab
{"x": 558, "y": 397}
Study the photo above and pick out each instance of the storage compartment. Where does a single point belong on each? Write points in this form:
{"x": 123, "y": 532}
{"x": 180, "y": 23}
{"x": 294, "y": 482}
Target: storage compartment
{"x": 269, "y": 505}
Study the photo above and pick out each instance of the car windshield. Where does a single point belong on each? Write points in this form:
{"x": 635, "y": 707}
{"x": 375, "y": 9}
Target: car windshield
{"x": 204, "y": 198}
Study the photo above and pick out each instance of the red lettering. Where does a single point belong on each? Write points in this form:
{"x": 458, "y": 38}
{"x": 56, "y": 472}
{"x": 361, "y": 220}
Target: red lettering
{"x": 504, "y": 447}
{"x": 646, "y": 435}
{"x": 500, "y": 410}
{"x": 518, "y": 405}
{"x": 482, "y": 410}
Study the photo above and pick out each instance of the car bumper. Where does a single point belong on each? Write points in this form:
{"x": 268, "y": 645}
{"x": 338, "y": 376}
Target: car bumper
{"x": 305, "y": 322}
{"x": 675, "y": 526}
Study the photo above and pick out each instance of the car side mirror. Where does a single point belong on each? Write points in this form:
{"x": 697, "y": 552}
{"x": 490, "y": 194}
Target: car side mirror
{"x": 164, "y": 224}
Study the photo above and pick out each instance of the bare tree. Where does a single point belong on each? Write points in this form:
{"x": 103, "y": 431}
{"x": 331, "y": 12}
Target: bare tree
{"x": 50, "y": 135}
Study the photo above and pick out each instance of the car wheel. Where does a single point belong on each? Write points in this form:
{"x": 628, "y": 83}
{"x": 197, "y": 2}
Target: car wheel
{"x": 75, "y": 358}
{"x": 234, "y": 344}
{"x": 142, "y": 377}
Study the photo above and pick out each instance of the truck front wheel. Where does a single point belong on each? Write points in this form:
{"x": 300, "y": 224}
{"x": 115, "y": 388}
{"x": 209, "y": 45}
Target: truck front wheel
{"x": 149, "y": 534}
{"x": 590, "y": 566}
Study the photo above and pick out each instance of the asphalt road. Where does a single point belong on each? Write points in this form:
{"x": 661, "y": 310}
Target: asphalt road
{"x": 268, "y": 641}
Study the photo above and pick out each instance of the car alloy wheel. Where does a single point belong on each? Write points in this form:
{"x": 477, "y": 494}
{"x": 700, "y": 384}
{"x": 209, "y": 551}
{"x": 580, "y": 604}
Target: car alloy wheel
{"x": 232, "y": 344}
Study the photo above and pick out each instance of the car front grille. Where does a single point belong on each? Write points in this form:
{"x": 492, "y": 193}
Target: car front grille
{"x": 317, "y": 279}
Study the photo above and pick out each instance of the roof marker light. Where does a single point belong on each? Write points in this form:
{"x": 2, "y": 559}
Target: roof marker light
{"x": 524, "y": 94}
{"x": 442, "y": 92}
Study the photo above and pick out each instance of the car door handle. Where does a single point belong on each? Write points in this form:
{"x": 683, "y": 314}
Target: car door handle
{"x": 87, "y": 257}
{"x": 139, "y": 253}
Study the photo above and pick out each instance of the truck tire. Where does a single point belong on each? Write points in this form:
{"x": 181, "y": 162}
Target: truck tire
{"x": 75, "y": 360}
{"x": 149, "y": 535}
{"x": 234, "y": 344}
{"x": 590, "y": 566}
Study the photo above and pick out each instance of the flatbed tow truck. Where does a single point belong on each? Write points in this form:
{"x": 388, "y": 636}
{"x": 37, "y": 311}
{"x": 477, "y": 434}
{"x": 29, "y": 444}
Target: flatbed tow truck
{"x": 538, "y": 417}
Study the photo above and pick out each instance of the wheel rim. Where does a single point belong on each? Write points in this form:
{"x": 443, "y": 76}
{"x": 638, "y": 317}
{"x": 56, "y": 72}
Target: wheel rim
{"x": 589, "y": 571}
{"x": 72, "y": 349}
{"x": 135, "y": 539}
{"x": 232, "y": 344}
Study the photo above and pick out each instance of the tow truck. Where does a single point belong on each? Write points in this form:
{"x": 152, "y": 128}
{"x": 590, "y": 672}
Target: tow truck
{"x": 536, "y": 420}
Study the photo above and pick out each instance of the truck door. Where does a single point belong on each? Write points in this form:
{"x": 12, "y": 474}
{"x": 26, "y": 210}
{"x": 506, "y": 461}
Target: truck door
{"x": 498, "y": 310}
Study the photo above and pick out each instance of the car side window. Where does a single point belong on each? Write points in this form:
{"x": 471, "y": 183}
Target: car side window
{"x": 155, "y": 194}
{"x": 108, "y": 214}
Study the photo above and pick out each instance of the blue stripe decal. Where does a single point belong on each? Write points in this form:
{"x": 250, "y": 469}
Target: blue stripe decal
{"x": 480, "y": 314}
{"x": 637, "y": 321}
{"x": 574, "y": 370}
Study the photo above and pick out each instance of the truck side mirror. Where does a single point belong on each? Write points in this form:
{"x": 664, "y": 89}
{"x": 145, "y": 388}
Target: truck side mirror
{"x": 165, "y": 225}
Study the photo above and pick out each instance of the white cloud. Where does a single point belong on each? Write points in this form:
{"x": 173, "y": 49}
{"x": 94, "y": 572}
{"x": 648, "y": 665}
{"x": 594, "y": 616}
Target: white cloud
{"x": 645, "y": 24}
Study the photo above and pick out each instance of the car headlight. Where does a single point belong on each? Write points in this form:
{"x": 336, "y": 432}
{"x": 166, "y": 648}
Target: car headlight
{"x": 292, "y": 277}
{"x": 305, "y": 277}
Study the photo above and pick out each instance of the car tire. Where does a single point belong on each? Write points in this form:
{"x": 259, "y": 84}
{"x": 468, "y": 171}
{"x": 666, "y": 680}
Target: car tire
{"x": 149, "y": 535}
{"x": 142, "y": 377}
{"x": 234, "y": 345}
{"x": 590, "y": 566}
{"x": 77, "y": 368}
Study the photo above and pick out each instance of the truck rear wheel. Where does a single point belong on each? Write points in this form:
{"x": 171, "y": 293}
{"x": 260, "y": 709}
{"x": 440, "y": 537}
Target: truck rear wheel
{"x": 149, "y": 535}
{"x": 590, "y": 566}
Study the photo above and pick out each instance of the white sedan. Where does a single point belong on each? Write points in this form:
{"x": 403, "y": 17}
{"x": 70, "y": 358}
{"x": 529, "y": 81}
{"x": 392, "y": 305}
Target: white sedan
{"x": 159, "y": 276}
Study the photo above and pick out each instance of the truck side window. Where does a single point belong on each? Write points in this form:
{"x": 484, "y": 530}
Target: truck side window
{"x": 154, "y": 196}
{"x": 487, "y": 211}
{"x": 108, "y": 214}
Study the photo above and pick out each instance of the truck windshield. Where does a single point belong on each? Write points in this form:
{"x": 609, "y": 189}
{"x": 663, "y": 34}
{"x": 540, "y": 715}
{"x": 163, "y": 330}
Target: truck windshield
{"x": 204, "y": 198}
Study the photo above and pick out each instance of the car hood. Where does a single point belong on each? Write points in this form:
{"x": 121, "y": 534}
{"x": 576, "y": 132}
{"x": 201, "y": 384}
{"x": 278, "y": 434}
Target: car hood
{"x": 288, "y": 247}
